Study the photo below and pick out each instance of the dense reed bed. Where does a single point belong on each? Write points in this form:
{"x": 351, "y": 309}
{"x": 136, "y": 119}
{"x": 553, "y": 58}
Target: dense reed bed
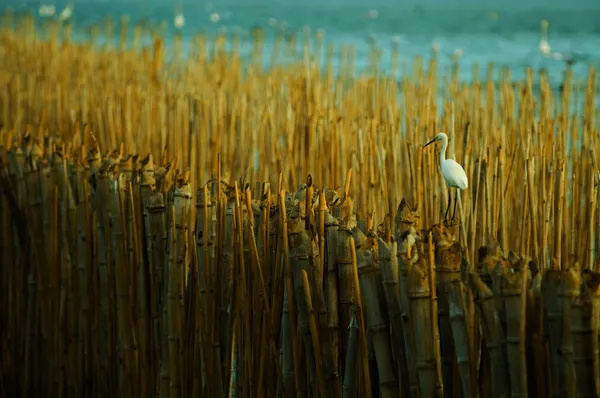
{"x": 141, "y": 257}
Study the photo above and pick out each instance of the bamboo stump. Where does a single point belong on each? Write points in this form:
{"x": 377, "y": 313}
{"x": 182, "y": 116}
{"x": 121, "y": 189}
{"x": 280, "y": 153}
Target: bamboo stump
{"x": 300, "y": 250}
{"x": 448, "y": 259}
{"x": 420, "y": 296}
{"x": 493, "y": 336}
{"x": 514, "y": 294}
{"x": 584, "y": 329}
{"x": 376, "y": 323}
{"x": 463, "y": 340}
{"x": 559, "y": 288}
{"x": 407, "y": 255}
{"x": 389, "y": 280}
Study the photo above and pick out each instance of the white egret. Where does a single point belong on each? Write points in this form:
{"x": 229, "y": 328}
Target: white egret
{"x": 179, "y": 19}
{"x": 66, "y": 13}
{"x": 453, "y": 173}
{"x": 546, "y": 50}
{"x": 544, "y": 45}
{"x": 47, "y": 10}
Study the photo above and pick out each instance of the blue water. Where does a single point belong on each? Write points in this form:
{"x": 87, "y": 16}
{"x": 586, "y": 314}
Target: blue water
{"x": 504, "y": 32}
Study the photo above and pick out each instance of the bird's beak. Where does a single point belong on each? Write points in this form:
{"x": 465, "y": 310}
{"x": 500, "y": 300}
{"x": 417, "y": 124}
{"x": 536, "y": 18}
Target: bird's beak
{"x": 430, "y": 142}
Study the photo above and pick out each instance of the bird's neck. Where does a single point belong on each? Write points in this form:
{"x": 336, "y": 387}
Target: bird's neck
{"x": 443, "y": 152}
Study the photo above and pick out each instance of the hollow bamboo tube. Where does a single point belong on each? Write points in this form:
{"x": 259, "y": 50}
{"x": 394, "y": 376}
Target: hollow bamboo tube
{"x": 419, "y": 294}
{"x": 582, "y": 329}
{"x": 493, "y": 335}
{"x": 513, "y": 292}
{"x": 556, "y": 285}
{"x": 362, "y": 331}
{"x": 407, "y": 255}
{"x": 351, "y": 366}
{"x": 290, "y": 293}
{"x": 376, "y": 324}
{"x": 389, "y": 280}
{"x": 458, "y": 318}
{"x": 448, "y": 260}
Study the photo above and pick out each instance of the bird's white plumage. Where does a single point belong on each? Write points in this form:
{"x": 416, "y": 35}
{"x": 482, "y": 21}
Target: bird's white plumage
{"x": 454, "y": 174}
{"x": 544, "y": 45}
{"x": 66, "y": 13}
{"x": 179, "y": 20}
{"x": 47, "y": 10}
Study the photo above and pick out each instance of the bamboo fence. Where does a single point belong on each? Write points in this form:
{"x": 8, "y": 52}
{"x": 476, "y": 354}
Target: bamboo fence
{"x": 137, "y": 259}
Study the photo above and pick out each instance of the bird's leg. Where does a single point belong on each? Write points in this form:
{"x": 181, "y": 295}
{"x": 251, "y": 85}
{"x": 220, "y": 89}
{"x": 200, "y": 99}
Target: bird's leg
{"x": 455, "y": 201}
{"x": 449, "y": 201}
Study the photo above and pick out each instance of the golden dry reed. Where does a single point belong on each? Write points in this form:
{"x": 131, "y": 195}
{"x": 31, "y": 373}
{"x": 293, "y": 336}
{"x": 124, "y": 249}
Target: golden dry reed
{"x": 141, "y": 257}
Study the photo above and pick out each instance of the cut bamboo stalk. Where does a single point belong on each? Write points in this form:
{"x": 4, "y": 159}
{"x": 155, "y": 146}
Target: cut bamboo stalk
{"x": 389, "y": 279}
{"x": 300, "y": 250}
{"x": 366, "y": 377}
{"x": 592, "y": 290}
{"x": 514, "y": 291}
{"x": 332, "y": 379}
{"x": 535, "y": 334}
{"x": 159, "y": 244}
{"x": 205, "y": 230}
{"x": 351, "y": 366}
{"x": 290, "y": 293}
{"x": 492, "y": 334}
{"x": 87, "y": 269}
{"x": 99, "y": 200}
{"x": 377, "y": 326}
{"x": 345, "y": 294}
{"x": 127, "y": 341}
{"x": 31, "y": 176}
{"x": 419, "y": 294}
{"x": 439, "y": 383}
{"x": 556, "y": 285}
{"x": 569, "y": 292}
{"x": 287, "y": 359}
{"x": 331, "y": 288}
{"x": 177, "y": 261}
{"x": 461, "y": 334}
{"x": 407, "y": 255}
{"x": 266, "y": 304}
{"x": 314, "y": 334}
{"x": 582, "y": 325}
{"x": 227, "y": 285}
{"x": 448, "y": 261}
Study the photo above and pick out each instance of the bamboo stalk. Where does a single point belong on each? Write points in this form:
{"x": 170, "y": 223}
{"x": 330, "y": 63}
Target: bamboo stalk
{"x": 351, "y": 367}
{"x": 448, "y": 261}
{"x": 407, "y": 255}
{"x": 513, "y": 291}
{"x": 289, "y": 293}
{"x": 553, "y": 284}
{"x": 366, "y": 378}
{"x": 582, "y": 329}
{"x": 389, "y": 280}
{"x": 420, "y": 296}
{"x": 376, "y": 324}
{"x": 493, "y": 335}
{"x": 461, "y": 334}
{"x": 126, "y": 338}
